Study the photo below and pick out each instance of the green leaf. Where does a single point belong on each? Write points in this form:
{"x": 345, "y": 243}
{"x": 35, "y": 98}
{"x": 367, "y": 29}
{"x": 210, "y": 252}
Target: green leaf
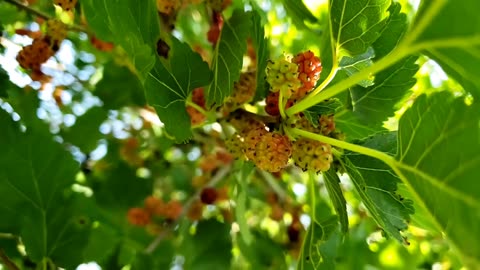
{"x": 451, "y": 36}
{"x": 210, "y": 247}
{"x": 4, "y": 83}
{"x": 299, "y": 13}
{"x": 35, "y": 172}
{"x": 312, "y": 255}
{"x": 377, "y": 184}
{"x": 228, "y": 56}
{"x": 131, "y": 24}
{"x": 356, "y": 24}
{"x": 352, "y": 65}
{"x": 119, "y": 87}
{"x": 263, "y": 253}
{"x": 347, "y": 122}
{"x": 437, "y": 158}
{"x": 327, "y": 107}
{"x": 260, "y": 42}
{"x": 246, "y": 168}
{"x": 89, "y": 123}
{"x": 168, "y": 88}
{"x": 332, "y": 182}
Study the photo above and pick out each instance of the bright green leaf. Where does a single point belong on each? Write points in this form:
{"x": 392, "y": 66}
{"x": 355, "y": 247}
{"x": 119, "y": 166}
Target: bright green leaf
{"x": 352, "y": 65}
{"x": 228, "y": 57}
{"x": 356, "y": 24}
{"x": 438, "y": 159}
{"x": 332, "y": 182}
{"x": 131, "y": 24}
{"x": 450, "y": 34}
{"x": 377, "y": 184}
{"x": 168, "y": 88}
{"x": 262, "y": 53}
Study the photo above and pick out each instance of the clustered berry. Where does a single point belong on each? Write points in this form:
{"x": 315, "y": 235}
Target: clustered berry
{"x": 167, "y": 7}
{"x": 31, "y": 57}
{"x": 56, "y": 30}
{"x": 243, "y": 91}
{"x": 309, "y": 68}
{"x": 282, "y": 75}
{"x": 154, "y": 208}
{"x": 312, "y": 155}
{"x": 197, "y": 117}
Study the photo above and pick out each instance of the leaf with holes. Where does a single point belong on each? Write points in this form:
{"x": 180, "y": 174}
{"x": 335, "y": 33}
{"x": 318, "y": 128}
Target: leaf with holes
{"x": 438, "y": 158}
{"x": 377, "y": 184}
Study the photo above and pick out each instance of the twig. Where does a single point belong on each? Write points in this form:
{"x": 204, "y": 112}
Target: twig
{"x": 7, "y": 262}
{"x": 215, "y": 180}
{"x": 44, "y": 15}
{"x": 282, "y": 195}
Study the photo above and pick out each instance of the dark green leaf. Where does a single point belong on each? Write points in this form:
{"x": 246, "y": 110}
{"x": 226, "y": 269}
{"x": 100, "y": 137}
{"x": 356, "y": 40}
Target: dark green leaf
{"x": 377, "y": 184}
{"x": 356, "y": 24}
{"x": 312, "y": 255}
{"x": 263, "y": 253}
{"x": 35, "y": 171}
{"x": 228, "y": 56}
{"x": 353, "y": 128}
{"x": 4, "y": 83}
{"x": 299, "y": 13}
{"x": 168, "y": 88}
{"x": 332, "y": 182}
{"x": 327, "y": 107}
{"x": 438, "y": 159}
{"x": 210, "y": 247}
{"x": 452, "y": 38}
{"x": 119, "y": 87}
{"x": 131, "y": 24}
{"x": 86, "y": 131}
{"x": 260, "y": 43}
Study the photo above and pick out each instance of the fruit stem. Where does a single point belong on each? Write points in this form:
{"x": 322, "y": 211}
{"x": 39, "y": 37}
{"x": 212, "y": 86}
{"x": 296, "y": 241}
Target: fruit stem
{"x": 281, "y": 104}
{"x": 389, "y": 160}
{"x": 9, "y": 264}
{"x": 327, "y": 80}
{"x": 197, "y": 107}
{"x": 311, "y": 100}
{"x": 44, "y": 16}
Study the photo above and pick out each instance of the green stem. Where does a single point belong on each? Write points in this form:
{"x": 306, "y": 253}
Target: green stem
{"x": 311, "y": 191}
{"x": 44, "y": 15}
{"x": 345, "y": 145}
{"x": 197, "y": 107}
{"x": 281, "y": 105}
{"x": 394, "y": 56}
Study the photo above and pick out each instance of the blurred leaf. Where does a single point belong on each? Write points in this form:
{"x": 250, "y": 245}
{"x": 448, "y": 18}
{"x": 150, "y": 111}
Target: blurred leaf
{"x": 119, "y": 88}
{"x": 438, "y": 146}
{"x": 10, "y": 14}
{"x": 228, "y": 56}
{"x": 242, "y": 176}
{"x": 312, "y": 256}
{"x": 34, "y": 173}
{"x": 133, "y": 25}
{"x": 356, "y": 24}
{"x": 451, "y": 37}
{"x": 263, "y": 253}
{"x": 376, "y": 184}
{"x": 210, "y": 247}
{"x": 168, "y": 88}
{"x": 102, "y": 244}
{"x": 4, "y": 83}
{"x": 86, "y": 132}
{"x": 299, "y": 13}
{"x": 262, "y": 52}
{"x": 352, "y": 65}
{"x": 332, "y": 182}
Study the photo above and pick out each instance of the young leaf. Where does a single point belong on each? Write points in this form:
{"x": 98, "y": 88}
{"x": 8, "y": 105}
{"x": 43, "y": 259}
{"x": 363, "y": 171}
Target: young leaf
{"x": 131, "y": 24}
{"x": 352, "y": 65}
{"x": 262, "y": 52}
{"x": 332, "y": 182}
{"x": 167, "y": 89}
{"x": 35, "y": 173}
{"x": 377, "y": 184}
{"x": 437, "y": 157}
{"x": 228, "y": 58}
{"x": 356, "y": 24}
{"x": 450, "y": 34}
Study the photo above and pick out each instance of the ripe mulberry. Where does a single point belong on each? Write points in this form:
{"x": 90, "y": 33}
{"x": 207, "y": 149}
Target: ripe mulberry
{"x": 34, "y": 55}
{"x": 309, "y": 68}
{"x": 138, "y": 216}
{"x": 271, "y": 104}
{"x": 311, "y": 155}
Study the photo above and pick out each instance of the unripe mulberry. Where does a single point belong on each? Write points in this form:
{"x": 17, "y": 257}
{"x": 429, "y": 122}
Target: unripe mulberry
{"x": 309, "y": 68}
{"x": 326, "y": 124}
{"x": 244, "y": 121}
{"x": 282, "y": 75}
{"x": 56, "y": 30}
{"x": 235, "y": 146}
{"x": 243, "y": 91}
{"x": 312, "y": 155}
{"x": 269, "y": 151}
{"x": 65, "y": 4}
{"x": 167, "y": 6}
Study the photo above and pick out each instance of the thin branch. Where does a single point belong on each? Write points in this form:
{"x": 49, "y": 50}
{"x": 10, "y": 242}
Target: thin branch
{"x": 215, "y": 180}
{"x": 282, "y": 195}
{"x": 44, "y": 16}
{"x": 7, "y": 262}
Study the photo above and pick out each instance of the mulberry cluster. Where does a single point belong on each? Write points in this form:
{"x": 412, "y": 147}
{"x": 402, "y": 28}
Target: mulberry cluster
{"x": 282, "y": 75}
{"x": 56, "y": 30}
{"x": 31, "y": 57}
{"x": 312, "y": 155}
{"x": 309, "y": 68}
{"x": 243, "y": 91}
{"x": 66, "y": 5}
